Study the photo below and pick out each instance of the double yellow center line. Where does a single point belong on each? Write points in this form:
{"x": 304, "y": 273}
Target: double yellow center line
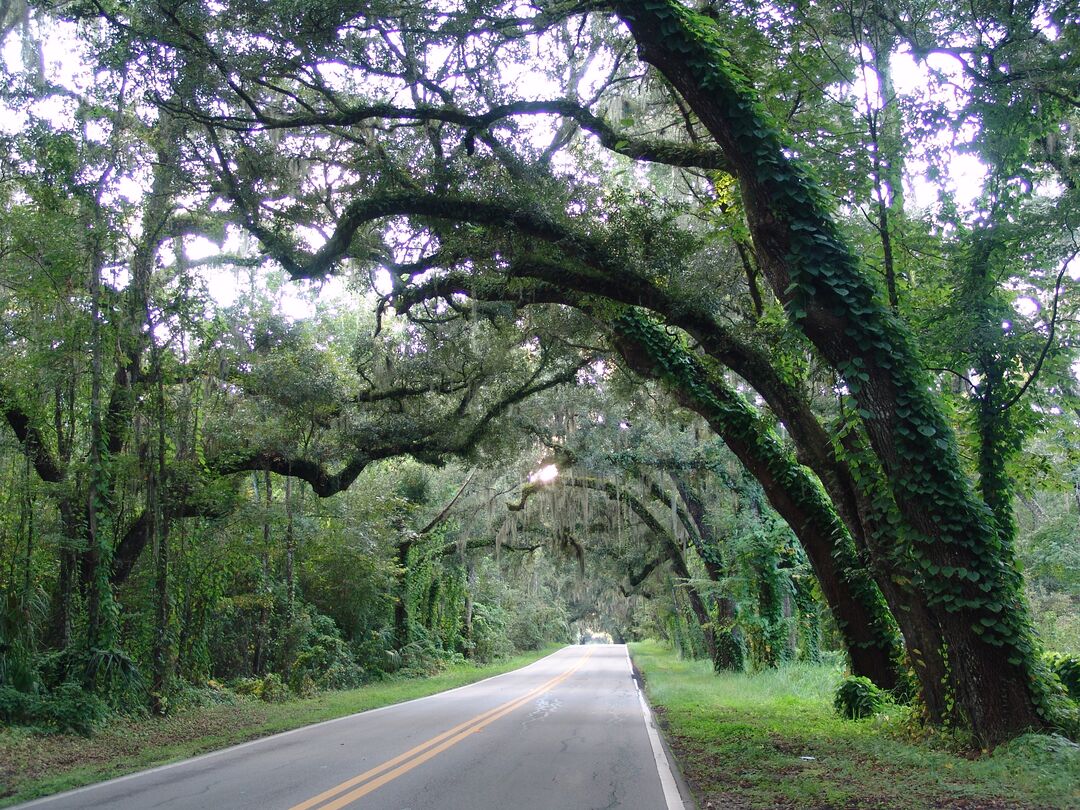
{"x": 359, "y": 786}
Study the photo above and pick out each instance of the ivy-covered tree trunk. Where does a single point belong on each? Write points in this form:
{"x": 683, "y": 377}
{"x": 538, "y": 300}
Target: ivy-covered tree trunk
{"x": 290, "y": 556}
{"x": 876, "y": 521}
{"x": 401, "y": 600}
{"x": 156, "y": 216}
{"x": 163, "y": 653}
{"x": 809, "y": 619}
{"x": 771, "y": 647}
{"x": 262, "y": 626}
{"x": 100, "y": 613}
{"x": 467, "y": 615}
{"x": 730, "y": 645}
{"x": 999, "y": 438}
{"x": 969, "y": 575}
{"x": 58, "y": 634}
{"x": 868, "y": 629}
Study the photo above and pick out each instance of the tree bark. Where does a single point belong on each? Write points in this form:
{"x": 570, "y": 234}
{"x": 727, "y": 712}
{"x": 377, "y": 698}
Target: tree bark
{"x": 401, "y": 603}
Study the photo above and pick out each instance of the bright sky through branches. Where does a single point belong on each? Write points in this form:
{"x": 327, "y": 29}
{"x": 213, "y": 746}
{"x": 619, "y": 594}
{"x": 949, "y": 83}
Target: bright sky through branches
{"x": 65, "y": 66}
{"x": 545, "y": 475}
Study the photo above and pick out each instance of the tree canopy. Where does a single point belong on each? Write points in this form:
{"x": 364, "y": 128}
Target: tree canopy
{"x": 793, "y": 327}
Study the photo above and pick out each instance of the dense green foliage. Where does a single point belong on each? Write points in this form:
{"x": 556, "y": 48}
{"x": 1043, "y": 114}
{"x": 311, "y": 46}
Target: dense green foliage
{"x": 1067, "y": 669}
{"x": 857, "y": 697}
{"x": 299, "y": 305}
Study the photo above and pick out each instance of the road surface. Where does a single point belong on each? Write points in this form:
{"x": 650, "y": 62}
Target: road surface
{"x": 569, "y": 732}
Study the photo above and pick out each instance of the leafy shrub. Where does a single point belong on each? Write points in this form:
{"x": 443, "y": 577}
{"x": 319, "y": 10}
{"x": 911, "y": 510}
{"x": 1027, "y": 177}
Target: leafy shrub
{"x": 324, "y": 660}
{"x": 1067, "y": 668}
{"x": 269, "y": 688}
{"x": 273, "y": 689}
{"x": 247, "y": 686}
{"x": 16, "y": 708}
{"x": 110, "y": 673}
{"x": 421, "y": 657}
{"x": 490, "y": 640}
{"x": 116, "y": 676}
{"x": 1053, "y": 749}
{"x": 857, "y": 697}
{"x": 375, "y": 653}
{"x": 68, "y": 708}
{"x": 18, "y": 617}
{"x": 186, "y": 695}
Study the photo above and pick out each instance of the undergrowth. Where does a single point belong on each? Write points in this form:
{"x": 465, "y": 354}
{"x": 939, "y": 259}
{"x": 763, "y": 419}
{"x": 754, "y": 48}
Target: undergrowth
{"x": 773, "y": 739}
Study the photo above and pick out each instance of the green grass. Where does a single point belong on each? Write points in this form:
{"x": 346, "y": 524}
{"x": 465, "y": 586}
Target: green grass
{"x": 739, "y": 740}
{"x": 33, "y": 764}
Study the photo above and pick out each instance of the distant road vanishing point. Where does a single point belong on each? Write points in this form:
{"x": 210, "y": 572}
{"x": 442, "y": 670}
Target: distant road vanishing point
{"x": 569, "y": 732}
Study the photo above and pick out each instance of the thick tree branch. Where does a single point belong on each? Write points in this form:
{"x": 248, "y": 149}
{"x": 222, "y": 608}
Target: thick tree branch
{"x": 1049, "y": 337}
{"x": 666, "y": 152}
{"x": 30, "y": 438}
{"x": 439, "y": 518}
{"x": 438, "y": 440}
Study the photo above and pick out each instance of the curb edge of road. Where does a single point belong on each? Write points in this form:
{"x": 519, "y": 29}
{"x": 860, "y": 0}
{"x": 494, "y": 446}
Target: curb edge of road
{"x": 41, "y": 800}
{"x": 686, "y": 796}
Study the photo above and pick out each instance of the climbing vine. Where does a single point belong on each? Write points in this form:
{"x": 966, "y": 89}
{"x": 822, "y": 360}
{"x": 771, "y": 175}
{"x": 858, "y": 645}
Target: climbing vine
{"x": 964, "y": 567}
{"x": 737, "y": 422}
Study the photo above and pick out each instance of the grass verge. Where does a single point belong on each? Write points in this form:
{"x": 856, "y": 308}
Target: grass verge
{"x": 772, "y": 740}
{"x": 34, "y": 764}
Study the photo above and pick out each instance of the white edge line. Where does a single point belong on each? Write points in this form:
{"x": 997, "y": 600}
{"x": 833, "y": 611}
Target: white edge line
{"x": 269, "y": 738}
{"x": 672, "y": 797}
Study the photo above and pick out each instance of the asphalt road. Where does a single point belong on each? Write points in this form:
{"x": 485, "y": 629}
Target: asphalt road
{"x": 568, "y": 732}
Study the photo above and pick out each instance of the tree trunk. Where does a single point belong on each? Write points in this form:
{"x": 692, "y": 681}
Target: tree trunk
{"x": 967, "y": 572}
{"x": 875, "y": 519}
{"x": 163, "y": 649}
{"x": 99, "y": 618}
{"x": 59, "y": 632}
{"x": 470, "y": 583}
{"x": 401, "y": 603}
{"x": 864, "y": 621}
{"x": 728, "y": 641}
{"x": 262, "y": 626}
{"x": 290, "y": 555}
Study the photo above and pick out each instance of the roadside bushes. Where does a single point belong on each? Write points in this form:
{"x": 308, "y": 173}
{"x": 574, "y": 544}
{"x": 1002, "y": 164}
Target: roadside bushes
{"x": 67, "y": 708}
{"x": 490, "y": 639}
{"x": 269, "y": 688}
{"x": 537, "y": 622}
{"x": 319, "y": 658}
